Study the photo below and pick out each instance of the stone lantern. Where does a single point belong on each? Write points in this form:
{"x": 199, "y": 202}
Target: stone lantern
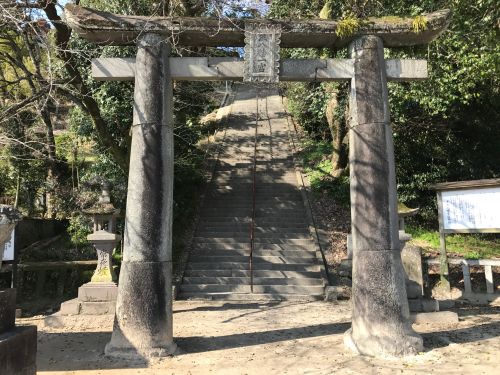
{"x": 99, "y": 295}
{"x": 103, "y": 238}
{"x": 17, "y": 344}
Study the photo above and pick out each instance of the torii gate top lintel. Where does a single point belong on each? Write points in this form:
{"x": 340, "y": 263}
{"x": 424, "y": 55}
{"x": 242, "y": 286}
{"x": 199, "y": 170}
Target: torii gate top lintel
{"x": 112, "y": 29}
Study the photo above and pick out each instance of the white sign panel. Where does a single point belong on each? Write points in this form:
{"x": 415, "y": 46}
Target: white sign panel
{"x": 471, "y": 209}
{"x": 8, "y": 252}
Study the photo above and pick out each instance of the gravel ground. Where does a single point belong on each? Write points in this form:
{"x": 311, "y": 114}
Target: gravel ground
{"x": 277, "y": 338}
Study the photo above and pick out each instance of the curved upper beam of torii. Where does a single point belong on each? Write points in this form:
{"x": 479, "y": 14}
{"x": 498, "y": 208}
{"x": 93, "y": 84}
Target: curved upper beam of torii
{"x": 108, "y": 28}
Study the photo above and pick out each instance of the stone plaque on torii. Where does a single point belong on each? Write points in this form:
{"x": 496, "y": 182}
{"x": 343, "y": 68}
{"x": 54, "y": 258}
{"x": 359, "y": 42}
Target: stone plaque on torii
{"x": 143, "y": 324}
{"x": 262, "y": 53}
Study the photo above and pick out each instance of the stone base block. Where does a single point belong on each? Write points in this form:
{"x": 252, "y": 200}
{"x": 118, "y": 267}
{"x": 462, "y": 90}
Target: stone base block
{"x": 423, "y": 305}
{"x": 413, "y": 290}
{"x": 438, "y": 318}
{"x": 71, "y": 307}
{"x": 345, "y": 268}
{"x": 7, "y": 309}
{"x": 77, "y": 307}
{"x": 98, "y": 292}
{"x": 430, "y": 305}
{"x": 97, "y": 308}
{"x": 415, "y": 305}
{"x": 446, "y": 304}
{"x": 331, "y": 293}
{"x": 481, "y": 298}
{"x": 18, "y": 351}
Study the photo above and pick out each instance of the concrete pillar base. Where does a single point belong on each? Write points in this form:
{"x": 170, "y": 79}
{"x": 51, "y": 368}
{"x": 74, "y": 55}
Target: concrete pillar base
{"x": 143, "y": 326}
{"x": 380, "y": 323}
{"x": 131, "y": 353}
{"x": 385, "y": 345}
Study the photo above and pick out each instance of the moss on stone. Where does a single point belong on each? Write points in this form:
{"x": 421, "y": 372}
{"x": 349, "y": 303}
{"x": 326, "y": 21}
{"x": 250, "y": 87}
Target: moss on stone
{"x": 391, "y": 19}
{"x": 419, "y": 24}
{"x": 347, "y": 26}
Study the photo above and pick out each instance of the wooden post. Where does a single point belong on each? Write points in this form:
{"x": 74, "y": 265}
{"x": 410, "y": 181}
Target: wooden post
{"x": 143, "y": 322}
{"x": 443, "y": 258}
{"x": 61, "y": 281}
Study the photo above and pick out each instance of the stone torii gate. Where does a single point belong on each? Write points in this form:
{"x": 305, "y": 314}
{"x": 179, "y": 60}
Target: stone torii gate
{"x": 143, "y": 323}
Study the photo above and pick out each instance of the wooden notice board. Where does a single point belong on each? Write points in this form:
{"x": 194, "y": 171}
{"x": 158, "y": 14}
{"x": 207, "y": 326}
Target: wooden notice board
{"x": 467, "y": 207}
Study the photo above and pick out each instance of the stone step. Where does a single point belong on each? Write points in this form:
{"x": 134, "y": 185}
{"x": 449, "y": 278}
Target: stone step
{"x": 238, "y": 190}
{"x": 261, "y": 166}
{"x": 239, "y": 197}
{"x": 250, "y": 297}
{"x": 257, "y": 259}
{"x": 257, "y": 266}
{"x": 237, "y": 226}
{"x": 259, "y": 212}
{"x": 246, "y": 246}
{"x": 263, "y": 175}
{"x": 234, "y": 182}
{"x": 245, "y": 228}
{"x": 286, "y": 217}
{"x": 299, "y": 281}
{"x": 242, "y": 193}
{"x": 261, "y": 289}
{"x": 257, "y": 242}
{"x": 258, "y": 235}
{"x": 258, "y": 232}
{"x": 256, "y": 253}
{"x": 244, "y": 199}
{"x": 258, "y": 205}
{"x": 256, "y": 273}
{"x": 245, "y": 220}
{"x": 262, "y": 188}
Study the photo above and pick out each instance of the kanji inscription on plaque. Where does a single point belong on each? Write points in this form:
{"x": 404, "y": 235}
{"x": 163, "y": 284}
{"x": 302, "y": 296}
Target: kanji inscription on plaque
{"x": 262, "y": 52}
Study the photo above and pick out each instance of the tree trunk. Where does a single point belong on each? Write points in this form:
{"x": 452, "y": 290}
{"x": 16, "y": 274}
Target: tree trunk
{"x": 51, "y": 162}
{"x": 338, "y": 129}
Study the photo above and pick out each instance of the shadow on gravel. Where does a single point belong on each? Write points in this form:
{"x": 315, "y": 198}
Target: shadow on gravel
{"x": 199, "y": 344}
{"x": 73, "y": 351}
{"x": 441, "y": 339}
{"x": 256, "y": 308}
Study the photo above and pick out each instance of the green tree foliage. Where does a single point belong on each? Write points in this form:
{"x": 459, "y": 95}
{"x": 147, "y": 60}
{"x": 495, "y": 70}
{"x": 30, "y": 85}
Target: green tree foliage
{"x": 446, "y": 127}
{"x": 95, "y": 137}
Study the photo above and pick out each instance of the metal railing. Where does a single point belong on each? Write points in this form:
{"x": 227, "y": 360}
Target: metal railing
{"x": 254, "y": 172}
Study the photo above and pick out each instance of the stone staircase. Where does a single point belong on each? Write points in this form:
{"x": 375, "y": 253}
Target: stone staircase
{"x": 286, "y": 260}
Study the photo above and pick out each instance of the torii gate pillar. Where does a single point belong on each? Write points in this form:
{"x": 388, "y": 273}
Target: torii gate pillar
{"x": 143, "y": 326}
{"x": 380, "y": 318}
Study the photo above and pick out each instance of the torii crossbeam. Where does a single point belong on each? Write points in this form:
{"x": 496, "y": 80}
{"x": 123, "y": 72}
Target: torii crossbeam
{"x": 143, "y": 324}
